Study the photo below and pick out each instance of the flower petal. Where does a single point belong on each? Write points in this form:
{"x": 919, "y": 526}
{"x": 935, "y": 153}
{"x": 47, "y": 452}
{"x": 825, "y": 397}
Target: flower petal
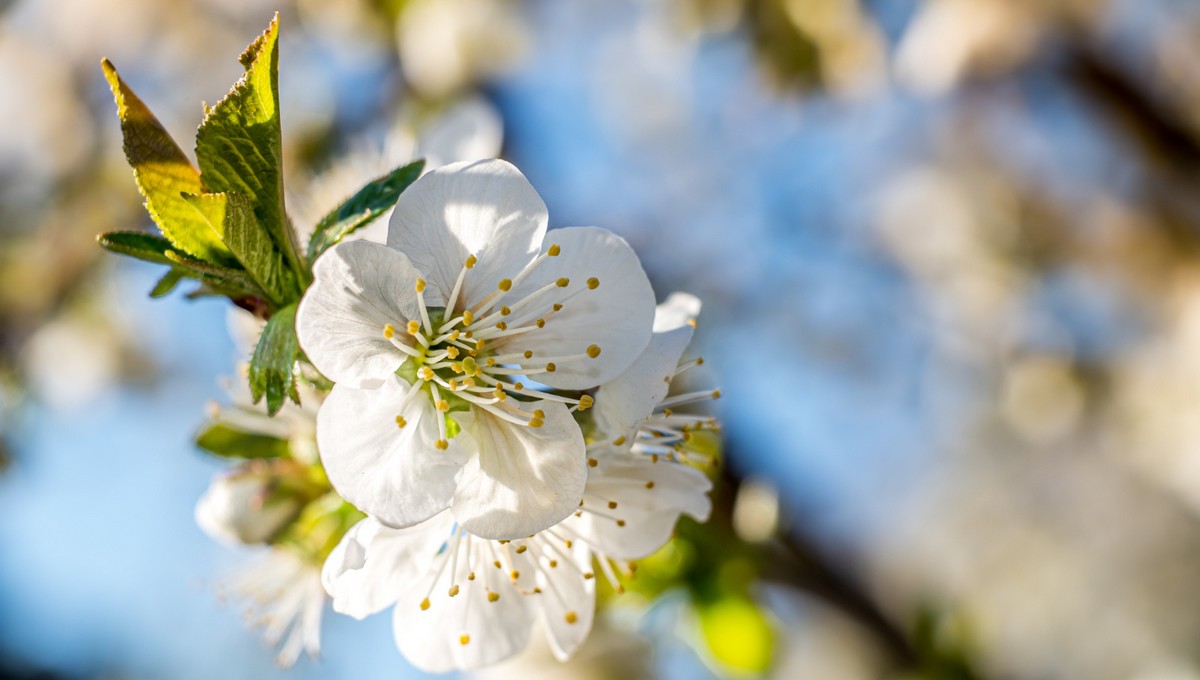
{"x": 679, "y": 310}
{"x": 358, "y": 288}
{"x": 483, "y": 208}
{"x": 439, "y": 632}
{"x": 616, "y": 316}
{"x": 649, "y": 513}
{"x": 393, "y": 473}
{"x": 622, "y": 404}
{"x": 519, "y": 479}
{"x": 567, "y": 601}
{"x": 373, "y": 563}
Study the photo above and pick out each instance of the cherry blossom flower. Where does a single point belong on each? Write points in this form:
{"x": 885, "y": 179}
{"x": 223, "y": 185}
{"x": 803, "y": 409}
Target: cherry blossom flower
{"x": 430, "y": 338}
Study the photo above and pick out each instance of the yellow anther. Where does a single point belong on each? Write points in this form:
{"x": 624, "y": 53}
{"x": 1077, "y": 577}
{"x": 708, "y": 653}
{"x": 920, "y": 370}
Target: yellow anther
{"x": 453, "y": 336}
{"x": 593, "y": 283}
{"x": 620, "y": 522}
{"x": 571, "y": 617}
{"x": 557, "y": 306}
{"x": 519, "y": 386}
{"x": 593, "y": 351}
{"x": 554, "y": 250}
{"x": 612, "y": 505}
{"x": 539, "y": 413}
{"x": 452, "y": 352}
{"x": 453, "y": 590}
{"x": 471, "y": 576}
{"x": 619, "y": 440}
{"x": 588, "y": 576}
{"x": 442, "y": 444}
{"x": 464, "y": 640}
{"x": 420, "y": 285}
{"x": 480, "y": 344}
{"x": 505, "y": 285}
{"x": 650, "y": 484}
{"x": 553, "y": 564}
{"x": 528, "y": 354}
{"x": 592, "y": 462}
{"x": 400, "y": 421}
{"x": 426, "y": 373}
{"x": 522, "y": 548}
{"x": 585, "y": 402}
{"x": 470, "y": 263}
{"x": 502, "y": 326}
{"x": 699, "y": 361}
{"x": 425, "y": 604}
{"x": 505, "y": 311}
{"x": 468, "y": 382}
{"x": 716, "y": 394}
{"x": 667, "y": 412}
{"x": 537, "y": 591}
{"x": 496, "y": 563}
{"x": 515, "y": 575}
{"x": 550, "y": 367}
{"x": 499, "y": 394}
{"x": 456, "y": 366}
{"x": 414, "y": 327}
{"x": 540, "y": 323}
{"x": 563, "y": 282}
{"x": 536, "y": 422}
{"x": 443, "y": 405}
{"x": 468, "y": 317}
{"x": 388, "y": 331}
{"x": 691, "y": 322}
{"x": 490, "y": 361}
{"x": 492, "y": 597}
{"x": 568, "y": 543}
{"x": 654, "y": 458}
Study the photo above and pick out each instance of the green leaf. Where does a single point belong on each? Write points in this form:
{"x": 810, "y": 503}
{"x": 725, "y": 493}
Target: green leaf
{"x": 271, "y": 367}
{"x": 137, "y": 244}
{"x": 362, "y": 208}
{"x": 162, "y": 173}
{"x": 231, "y": 282}
{"x": 240, "y": 147}
{"x": 232, "y": 216}
{"x": 223, "y": 440}
{"x": 168, "y": 282}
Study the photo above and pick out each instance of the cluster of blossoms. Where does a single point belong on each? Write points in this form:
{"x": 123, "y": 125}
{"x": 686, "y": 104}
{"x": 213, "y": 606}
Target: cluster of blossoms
{"x": 499, "y": 413}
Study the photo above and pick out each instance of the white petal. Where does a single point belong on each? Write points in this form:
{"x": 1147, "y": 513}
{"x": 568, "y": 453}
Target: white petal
{"x": 358, "y": 288}
{"x": 483, "y": 208}
{"x": 520, "y": 479}
{"x": 679, "y": 310}
{"x": 373, "y": 564}
{"x": 649, "y": 513}
{"x": 622, "y": 404}
{"x": 432, "y": 638}
{"x": 392, "y": 473}
{"x": 567, "y": 603}
{"x": 617, "y": 316}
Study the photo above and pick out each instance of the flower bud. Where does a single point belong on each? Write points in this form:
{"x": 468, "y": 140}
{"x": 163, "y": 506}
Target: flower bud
{"x": 241, "y": 506}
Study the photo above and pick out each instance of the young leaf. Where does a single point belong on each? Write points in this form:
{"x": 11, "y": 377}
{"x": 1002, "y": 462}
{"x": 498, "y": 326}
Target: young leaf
{"x": 137, "y": 244}
{"x": 223, "y": 440}
{"x": 362, "y": 208}
{"x": 168, "y": 282}
{"x": 162, "y": 172}
{"x": 274, "y": 356}
{"x": 240, "y": 147}
{"x": 231, "y": 215}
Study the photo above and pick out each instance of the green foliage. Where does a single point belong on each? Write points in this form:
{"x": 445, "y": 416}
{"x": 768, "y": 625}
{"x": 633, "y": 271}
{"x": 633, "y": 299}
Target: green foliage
{"x": 362, "y": 208}
{"x": 272, "y": 366}
{"x": 220, "y": 439}
{"x": 232, "y": 216}
{"x": 239, "y": 147}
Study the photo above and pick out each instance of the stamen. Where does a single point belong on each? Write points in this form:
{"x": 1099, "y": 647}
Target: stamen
{"x": 593, "y": 283}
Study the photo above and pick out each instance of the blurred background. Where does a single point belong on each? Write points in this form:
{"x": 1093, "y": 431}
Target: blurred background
{"x": 950, "y": 257}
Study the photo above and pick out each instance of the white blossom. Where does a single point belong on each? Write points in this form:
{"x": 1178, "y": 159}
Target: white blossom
{"x": 282, "y": 593}
{"x": 467, "y": 301}
{"x": 239, "y": 506}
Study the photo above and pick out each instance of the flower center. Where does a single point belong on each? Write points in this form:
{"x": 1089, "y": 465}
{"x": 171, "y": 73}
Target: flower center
{"x": 474, "y": 356}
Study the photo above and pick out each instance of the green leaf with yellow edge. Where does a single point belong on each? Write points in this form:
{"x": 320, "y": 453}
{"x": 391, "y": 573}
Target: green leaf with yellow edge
{"x": 271, "y": 366}
{"x": 362, "y": 208}
{"x": 162, "y": 173}
{"x": 137, "y": 244}
{"x": 738, "y": 634}
{"x": 232, "y": 216}
{"x": 240, "y": 148}
{"x": 220, "y": 439}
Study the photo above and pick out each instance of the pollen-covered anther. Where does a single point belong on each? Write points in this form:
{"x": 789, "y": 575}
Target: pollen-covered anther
{"x": 480, "y": 344}
{"x": 452, "y": 384}
{"x": 536, "y": 422}
{"x": 550, "y": 367}
{"x": 620, "y": 522}
{"x": 585, "y": 402}
{"x": 514, "y": 575}
{"x": 528, "y": 354}
{"x": 612, "y": 505}
{"x": 553, "y": 564}
{"x": 493, "y": 596}
{"x": 420, "y": 285}
{"x": 425, "y": 604}
{"x": 401, "y": 421}
{"x": 464, "y": 640}
{"x": 522, "y": 548}
{"x": 539, "y": 414}
{"x": 452, "y": 352}
{"x": 540, "y": 323}
{"x": 519, "y": 386}
{"x": 470, "y": 263}
{"x": 453, "y": 590}
{"x": 563, "y": 282}
{"x": 442, "y": 405}
{"x": 716, "y": 394}
{"x": 619, "y": 440}
{"x": 388, "y": 331}
{"x": 571, "y": 617}
{"x": 554, "y": 250}
{"x": 502, "y": 326}
{"x": 505, "y": 285}
{"x": 468, "y": 317}
{"x": 592, "y": 462}
{"x": 650, "y": 484}
{"x": 557, "y": 306}
{"x": 490, "y": 361}
{"x": 442, "y": 444}
{"x": 593, "y": 351}
{"x": 499, "y": 394}
{"x": 427, "y": 373}
{"x": 414, "y": 327}
{"x": 593, "y": 283}
{"x": 699, "y": 361}
{"x": 505, "y": 310}
{"x": 471, "y": 576}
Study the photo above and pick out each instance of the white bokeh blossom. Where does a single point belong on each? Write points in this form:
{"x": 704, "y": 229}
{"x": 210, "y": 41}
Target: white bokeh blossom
{"x": 430, "y": 337}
